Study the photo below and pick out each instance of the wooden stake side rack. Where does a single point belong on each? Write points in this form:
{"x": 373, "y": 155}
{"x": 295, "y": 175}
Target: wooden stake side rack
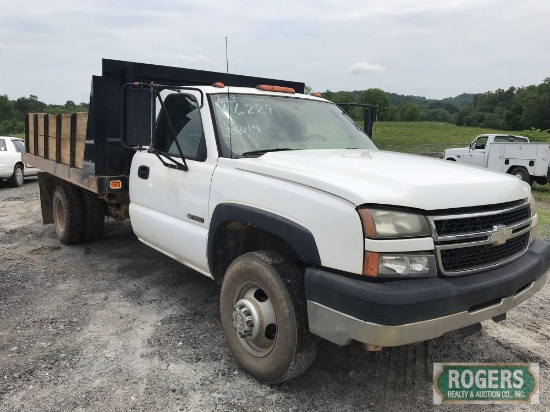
{"x": 57, "y": 137}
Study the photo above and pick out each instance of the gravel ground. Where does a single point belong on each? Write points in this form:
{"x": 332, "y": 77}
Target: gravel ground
{"x": 116, "y": 326}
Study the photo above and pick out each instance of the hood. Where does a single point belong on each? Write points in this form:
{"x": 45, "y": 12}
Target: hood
{"x": 387, "y": 178}
{"x": 458, "y": 150}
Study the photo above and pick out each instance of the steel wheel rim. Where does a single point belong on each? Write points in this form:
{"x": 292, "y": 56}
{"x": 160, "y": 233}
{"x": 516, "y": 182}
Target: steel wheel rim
{"x": 60, "y": 216}
{"x": 18, "y": 175}
{"x": 254, "y": 316}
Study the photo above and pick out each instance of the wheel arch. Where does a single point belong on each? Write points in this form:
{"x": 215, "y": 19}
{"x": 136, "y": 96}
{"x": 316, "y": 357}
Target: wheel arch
{"x": 237, "y": 229}
{"x": 512, "y": 168}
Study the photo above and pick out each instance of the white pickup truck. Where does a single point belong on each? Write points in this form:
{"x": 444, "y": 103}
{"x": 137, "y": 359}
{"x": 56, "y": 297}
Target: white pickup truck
{"x": 310, "y": 230}
{"x": 506, "y": 153}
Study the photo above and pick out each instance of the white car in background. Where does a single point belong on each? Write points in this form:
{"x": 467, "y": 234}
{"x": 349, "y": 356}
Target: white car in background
{"x": 12, "y": 167}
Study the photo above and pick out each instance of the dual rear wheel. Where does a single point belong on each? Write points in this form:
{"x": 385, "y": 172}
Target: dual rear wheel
{"x": 78, "y": 214}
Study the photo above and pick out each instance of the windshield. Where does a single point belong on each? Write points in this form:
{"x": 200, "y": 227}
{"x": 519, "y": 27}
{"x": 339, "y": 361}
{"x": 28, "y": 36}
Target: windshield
{"x": 252, "y": 124}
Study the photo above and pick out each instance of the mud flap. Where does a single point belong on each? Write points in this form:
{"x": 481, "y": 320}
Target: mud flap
{"x": 47, "y": 184}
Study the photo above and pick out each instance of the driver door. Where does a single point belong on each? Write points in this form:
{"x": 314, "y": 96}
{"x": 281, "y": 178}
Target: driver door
{"x": 477, "y": 155}
{"x": 169, "y": 207}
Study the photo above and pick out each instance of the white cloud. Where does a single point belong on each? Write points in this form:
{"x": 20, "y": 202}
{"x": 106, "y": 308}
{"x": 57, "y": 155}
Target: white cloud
{"x": 363, "y": 67}
{"x": 450, "y": 43}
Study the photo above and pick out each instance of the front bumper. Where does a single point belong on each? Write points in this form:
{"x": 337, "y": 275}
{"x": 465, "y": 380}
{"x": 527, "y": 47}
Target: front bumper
{"x": 394, "y": 313}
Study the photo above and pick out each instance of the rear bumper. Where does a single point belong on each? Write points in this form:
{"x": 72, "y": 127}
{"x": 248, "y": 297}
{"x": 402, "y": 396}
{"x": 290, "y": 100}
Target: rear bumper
{"x": 395, "y": 313}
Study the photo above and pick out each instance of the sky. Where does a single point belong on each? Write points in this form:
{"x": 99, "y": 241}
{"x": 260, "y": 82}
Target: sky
{"x": 430, "y": 48}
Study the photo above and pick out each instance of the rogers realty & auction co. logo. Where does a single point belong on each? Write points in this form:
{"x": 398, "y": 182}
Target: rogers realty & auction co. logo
{"x": 486, "y": 383}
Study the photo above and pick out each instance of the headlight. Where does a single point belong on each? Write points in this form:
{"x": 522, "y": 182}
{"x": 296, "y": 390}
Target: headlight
{"x": 397, "y": 265}
{"x": 534, "y": 228}
{"x": 387, "y": 224}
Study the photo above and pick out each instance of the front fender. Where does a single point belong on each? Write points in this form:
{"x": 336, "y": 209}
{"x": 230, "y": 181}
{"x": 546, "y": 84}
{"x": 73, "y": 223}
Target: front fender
{"x": 298, "y": 237}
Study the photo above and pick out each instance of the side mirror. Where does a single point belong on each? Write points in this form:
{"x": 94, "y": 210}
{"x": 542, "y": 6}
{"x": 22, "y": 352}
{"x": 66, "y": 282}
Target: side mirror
{"x": 472, "y": 145}
{"x": 137, "y": 116}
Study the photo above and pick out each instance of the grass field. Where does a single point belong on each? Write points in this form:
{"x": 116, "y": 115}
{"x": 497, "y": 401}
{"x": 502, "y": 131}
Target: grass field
{"x": 542, "y": 199}
{"x": 419, "y": 137}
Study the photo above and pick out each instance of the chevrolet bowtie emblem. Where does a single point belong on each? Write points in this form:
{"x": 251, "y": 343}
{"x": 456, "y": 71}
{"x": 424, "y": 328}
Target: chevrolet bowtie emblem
{"x": 500, "y": 235}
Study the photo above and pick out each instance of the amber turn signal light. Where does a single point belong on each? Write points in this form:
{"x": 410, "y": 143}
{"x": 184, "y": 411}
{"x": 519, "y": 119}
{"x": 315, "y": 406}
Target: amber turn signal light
{"x": 268, "y": 88}
{"x": 370, "y": 264}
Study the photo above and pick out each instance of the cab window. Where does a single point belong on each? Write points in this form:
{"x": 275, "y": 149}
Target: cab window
{"x": 2, "y": 145}
{"x": 183, "y": 113}
{"x": 481, "y": 142}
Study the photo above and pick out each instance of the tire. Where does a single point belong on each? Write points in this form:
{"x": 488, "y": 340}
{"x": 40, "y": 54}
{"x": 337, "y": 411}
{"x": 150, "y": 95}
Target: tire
{"x": 267, "y": 288}
{"x": 68, "y": 214}
{"x": 94, "y": 216}
{"x": 522, "y": 174}
{"x": 17, "y": 178}
{"x": 451, "y": 159}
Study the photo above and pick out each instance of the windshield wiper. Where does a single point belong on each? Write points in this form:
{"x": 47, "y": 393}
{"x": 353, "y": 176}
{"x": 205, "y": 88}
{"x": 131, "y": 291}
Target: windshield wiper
{"x": 264, "y": 151}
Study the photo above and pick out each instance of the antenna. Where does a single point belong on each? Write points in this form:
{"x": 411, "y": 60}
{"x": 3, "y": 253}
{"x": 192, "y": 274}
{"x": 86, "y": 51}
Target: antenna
{"x": 226, "y": 58}
{"x": 228, "y": 104}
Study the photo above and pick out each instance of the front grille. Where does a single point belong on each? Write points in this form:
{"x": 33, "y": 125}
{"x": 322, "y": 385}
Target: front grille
{"x": 454, "y": 260}
{"x": 480, "y": 240}
{"x": 455, "y": 226}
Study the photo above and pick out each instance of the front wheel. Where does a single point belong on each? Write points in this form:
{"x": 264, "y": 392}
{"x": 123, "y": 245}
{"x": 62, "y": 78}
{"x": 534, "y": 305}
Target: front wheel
{"x": 264, "y": 317}
{"x": 17, "y": 178}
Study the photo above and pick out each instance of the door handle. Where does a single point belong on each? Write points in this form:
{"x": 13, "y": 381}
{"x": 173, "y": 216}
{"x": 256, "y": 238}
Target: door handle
{"x": 143, "y": 172}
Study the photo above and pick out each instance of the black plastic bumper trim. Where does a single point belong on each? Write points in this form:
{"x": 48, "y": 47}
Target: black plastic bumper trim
{"x": 414, "y": 300}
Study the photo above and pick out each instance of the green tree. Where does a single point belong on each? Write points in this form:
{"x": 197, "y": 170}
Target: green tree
{"x": 25, "y": 105}
{"x": 436, "y": 115}
{"x": 410, "y": 112}
{"x": 70, "y": 105}
{"x": 392, "y": 114}
{"x": 12, "y": 126}
{"x": 328, "y": 95}
{"x": 377, "y": 97}
{"x": 344, "y": 97}
{"x": 474, "y": 118}
{"x": 536, "y": 112}
{"x": 492, "y": 121}
{"x": 6, "y": 108}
